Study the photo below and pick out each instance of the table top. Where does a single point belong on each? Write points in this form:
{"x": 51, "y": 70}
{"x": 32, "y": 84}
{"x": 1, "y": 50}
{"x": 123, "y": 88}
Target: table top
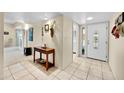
{"x": 44, "y": 49}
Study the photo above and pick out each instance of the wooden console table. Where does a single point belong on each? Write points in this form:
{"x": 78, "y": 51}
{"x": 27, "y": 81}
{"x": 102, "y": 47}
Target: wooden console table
{"x": 46, "y": 51}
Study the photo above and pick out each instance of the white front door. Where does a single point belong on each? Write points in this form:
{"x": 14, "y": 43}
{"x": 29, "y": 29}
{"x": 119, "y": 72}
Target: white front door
{"x": 97, "y": 41}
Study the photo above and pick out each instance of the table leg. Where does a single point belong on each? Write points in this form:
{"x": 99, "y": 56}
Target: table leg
{"x": 47, "y": 62}
{"x": 34, "y": 56}
{"x": 54, "y": 58}
{"x": 40, "y": 56}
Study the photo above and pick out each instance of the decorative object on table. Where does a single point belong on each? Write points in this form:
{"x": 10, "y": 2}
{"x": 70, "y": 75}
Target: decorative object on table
{"x": 52, "y": 29}
{"x": 31, "y": 34}
{"x": 6, "y": 33}
{"x": 47, "y": 27}
{"x": 42, "y": 61}
{"x": 44, "y": 47}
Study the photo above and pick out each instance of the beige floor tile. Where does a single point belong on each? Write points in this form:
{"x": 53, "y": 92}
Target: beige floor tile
{"x": 42, "y": 78}
{"x": 27, "y": 77}
{"x": 80, "y": 74}
{"x": 16, "y": 68}
{"x": 32, "y": 68}
{"x": 96, "y": 62}
{"x": 9, "y": 78}
{"x": 7, "y": 73}
{"x": 20, "y": 74}
{"x": 93, "y": 77}
{"x": 43, "y": 70}
{"x": 94, "y": 67}
{"x": 63, "y": 75}
{"x": 39, "y": 75}
{"x": 55, "y": 72}
{"x": 52, "y": 70}
{"x": 50, "y": 77}
{"x": 70, "y": 69}
{"x": 27, "y": 65}
{"x": 5, "y": 69}
{"x": 24, "y": 62}
{"x": 77, "y": 61}
{"x": 95, "y": 72}
{"x": 55, "y": 78}
{"x": 85, "y": 64}
{"x": 108, "y": 76}
{"x": 106, "y": 68}
{"x": 84, "y": 68}
{"x": 75, "y": 65}
{"x": 74, "y": 78}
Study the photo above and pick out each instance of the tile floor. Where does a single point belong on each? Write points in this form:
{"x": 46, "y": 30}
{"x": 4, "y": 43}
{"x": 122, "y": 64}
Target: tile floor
{"x": 80, "y": 69}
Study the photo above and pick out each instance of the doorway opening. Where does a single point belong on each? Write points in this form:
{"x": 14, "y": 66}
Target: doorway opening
{"x": 75, "y": 40}
{"x": 20, "y": 39}
{"x": 83, "y": 42}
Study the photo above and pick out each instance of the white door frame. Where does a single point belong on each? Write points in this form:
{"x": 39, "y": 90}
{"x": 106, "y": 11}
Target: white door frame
{"x": 77, "y": 30}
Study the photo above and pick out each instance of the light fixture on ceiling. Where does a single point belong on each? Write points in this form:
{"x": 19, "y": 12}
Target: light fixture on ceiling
{"x": 26, "y": 27}
{"x": 45, "y": 18}
{"x": 89, "y": 18}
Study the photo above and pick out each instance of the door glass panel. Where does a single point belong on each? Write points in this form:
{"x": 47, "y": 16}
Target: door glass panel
{"x": 95, "y": 40}
{"x": 83, "y": 40}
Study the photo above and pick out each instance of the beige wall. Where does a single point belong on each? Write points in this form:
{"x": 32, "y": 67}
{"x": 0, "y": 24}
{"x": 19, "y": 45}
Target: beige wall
{"x": 1, "y": 44}
{"x": 67, "y": 41}
{"x": 116, "y": 52}
{"x": 9, "y": 40}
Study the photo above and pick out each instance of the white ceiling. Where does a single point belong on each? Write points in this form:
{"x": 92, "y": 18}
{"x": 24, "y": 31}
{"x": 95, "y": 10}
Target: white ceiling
{"x": 79, "y": 17}
{"x": 28, "y": 17}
